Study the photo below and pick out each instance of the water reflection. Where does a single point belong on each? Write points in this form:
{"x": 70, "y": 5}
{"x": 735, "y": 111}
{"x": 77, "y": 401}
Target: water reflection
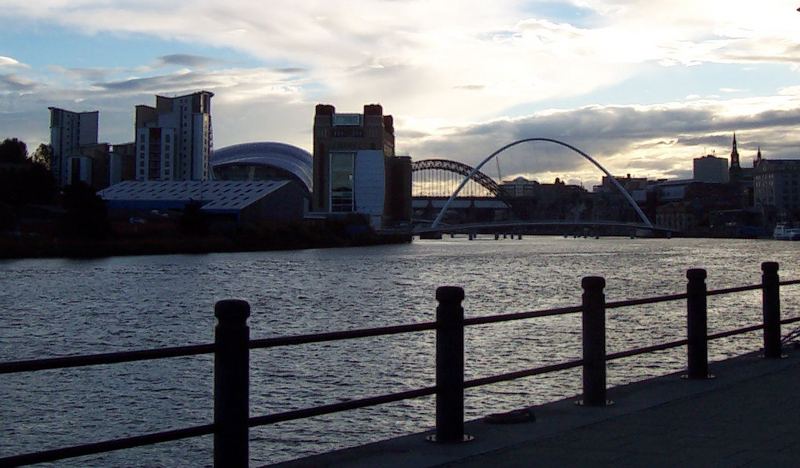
{"x": 60, "y": 307}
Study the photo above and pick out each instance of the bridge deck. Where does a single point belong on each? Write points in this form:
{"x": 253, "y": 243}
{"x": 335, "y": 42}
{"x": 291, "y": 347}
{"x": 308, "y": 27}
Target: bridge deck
{"x": 531, "y": 224}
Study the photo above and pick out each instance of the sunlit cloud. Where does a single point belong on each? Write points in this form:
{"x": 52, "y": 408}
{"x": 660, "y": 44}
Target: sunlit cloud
{"x": 461, "y": 78}
{"x": 8, "y": 62}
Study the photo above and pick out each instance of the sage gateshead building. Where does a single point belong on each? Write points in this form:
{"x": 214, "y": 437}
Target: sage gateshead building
{"x": 260, "y": 161}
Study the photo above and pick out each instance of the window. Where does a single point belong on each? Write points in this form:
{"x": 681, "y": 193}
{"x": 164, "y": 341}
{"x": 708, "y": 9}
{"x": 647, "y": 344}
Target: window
{"x": 341, "y": 181}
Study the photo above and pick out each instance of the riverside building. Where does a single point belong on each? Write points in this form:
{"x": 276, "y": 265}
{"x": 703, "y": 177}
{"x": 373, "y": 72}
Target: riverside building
{"x": 776, "y": 186}
{"x": 174, "y": 139}
{"x": 69, "y": 131}
{"x": 355, "y": 169}
{"x": 78, "y": 156}
{"x": 711, "y": 169}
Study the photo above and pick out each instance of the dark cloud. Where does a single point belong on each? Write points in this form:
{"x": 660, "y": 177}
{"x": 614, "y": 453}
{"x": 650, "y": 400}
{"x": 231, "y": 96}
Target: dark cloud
{"x": 187, "y": 60}
{"x": 84, "y": 74}
{"x": 11, "y": 82}
{"x": 290, "y": 70}
{"x": 613, "y": 136}
{"x": 410, "y": 133}
{"x": 158, "y": 84}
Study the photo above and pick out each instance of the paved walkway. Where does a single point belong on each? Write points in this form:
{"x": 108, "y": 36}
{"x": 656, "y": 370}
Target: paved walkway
{"x": 748, "y": 416}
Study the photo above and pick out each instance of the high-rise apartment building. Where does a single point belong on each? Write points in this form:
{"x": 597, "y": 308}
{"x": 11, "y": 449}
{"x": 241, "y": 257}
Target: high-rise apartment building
{"x": 174, "y": 139}
{"x": 68, "y": 132}
{"x": 355, "y": 169}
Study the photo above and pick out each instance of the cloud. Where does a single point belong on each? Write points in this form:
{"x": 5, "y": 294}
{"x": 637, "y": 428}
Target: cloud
{"x": 448, "y": 72}
{"x": 11, "y": 82}
{"x": 471, "y": 87}
{"x": 164, "y": 83}
{"x": 84, "y": 74}
{"x": 419, "y": 59}
{"x": 187, "y": 60}
{"x": 11, "y": 62}
{"x": 653, "y": 141}
{"x": 249, "y": 104}
{"x": 291, "y": 70}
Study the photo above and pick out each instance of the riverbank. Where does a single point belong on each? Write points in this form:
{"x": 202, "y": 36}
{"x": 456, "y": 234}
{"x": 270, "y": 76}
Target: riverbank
{"x": 39, "y": 247}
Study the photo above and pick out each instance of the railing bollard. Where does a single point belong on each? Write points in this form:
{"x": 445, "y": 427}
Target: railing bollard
{"x": 594, "y": 342}
{"x": 231, "y": 384}
{"x": 697, "y": 324}
{"x": 771, "y": 301}
{"x": 449, "y": 366}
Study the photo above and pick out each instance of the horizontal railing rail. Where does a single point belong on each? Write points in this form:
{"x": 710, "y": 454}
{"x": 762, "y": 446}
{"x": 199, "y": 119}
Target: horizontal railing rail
{"x": 232, "y": 344}
{"x": 66, "y": 362}
{"x": 107, "y": 446}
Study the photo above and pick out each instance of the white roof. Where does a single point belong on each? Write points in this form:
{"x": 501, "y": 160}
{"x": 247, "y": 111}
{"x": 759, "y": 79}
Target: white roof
{"x": 215, "y": 195}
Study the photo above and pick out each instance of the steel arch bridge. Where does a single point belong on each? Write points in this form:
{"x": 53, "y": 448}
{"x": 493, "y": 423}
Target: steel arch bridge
{"x": 477, "y": 168}
{"x": 460, "y": 169}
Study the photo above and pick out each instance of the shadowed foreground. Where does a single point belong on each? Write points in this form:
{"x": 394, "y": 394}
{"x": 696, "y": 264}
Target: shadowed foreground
{"x": 748, "y": 416}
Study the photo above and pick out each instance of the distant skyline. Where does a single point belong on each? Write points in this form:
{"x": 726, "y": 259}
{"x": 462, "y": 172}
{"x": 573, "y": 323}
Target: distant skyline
{"x": 643, "y": 86}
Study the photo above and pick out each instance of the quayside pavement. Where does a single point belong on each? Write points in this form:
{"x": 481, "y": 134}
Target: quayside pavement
{"x": 749, "y": 415}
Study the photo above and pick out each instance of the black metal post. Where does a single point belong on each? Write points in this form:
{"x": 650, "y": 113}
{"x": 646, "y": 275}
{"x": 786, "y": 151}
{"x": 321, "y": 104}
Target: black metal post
{"x": 594, "y": 341}
{"x": 231, "y": 384}
{"x": 771, "y": 301}
{"x": 697, "y": 324}
{"x": 450, "y": 366}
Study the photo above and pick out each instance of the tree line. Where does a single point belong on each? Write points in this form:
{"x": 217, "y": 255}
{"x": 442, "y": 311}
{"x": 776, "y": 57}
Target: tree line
{"x": 26, "y": 181}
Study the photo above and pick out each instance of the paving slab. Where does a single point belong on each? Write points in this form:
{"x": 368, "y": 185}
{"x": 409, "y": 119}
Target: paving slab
{"x": 749, "y": 415}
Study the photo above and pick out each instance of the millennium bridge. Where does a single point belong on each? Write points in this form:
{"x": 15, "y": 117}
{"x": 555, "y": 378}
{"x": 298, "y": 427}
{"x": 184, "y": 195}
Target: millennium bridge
{"x": 441, "y": 184}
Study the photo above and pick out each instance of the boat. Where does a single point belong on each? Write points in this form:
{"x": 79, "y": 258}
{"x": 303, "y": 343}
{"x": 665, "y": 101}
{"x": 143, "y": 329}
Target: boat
{"x": 784, "y": 231}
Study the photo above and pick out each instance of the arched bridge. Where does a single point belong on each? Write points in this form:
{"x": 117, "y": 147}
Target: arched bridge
{"x": 477, "y": 168}
{"x": 457, "y": 168}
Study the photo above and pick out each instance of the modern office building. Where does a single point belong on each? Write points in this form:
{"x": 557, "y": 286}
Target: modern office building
{"x": 355, "y": 169}
{"x": 711, "y": 169}
{"x": 69, "y": 131}
{"x": 174, "y": 139}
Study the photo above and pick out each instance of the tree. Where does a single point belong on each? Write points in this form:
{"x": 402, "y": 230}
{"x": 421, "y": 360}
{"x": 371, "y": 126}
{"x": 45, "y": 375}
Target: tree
{"x": 86, "y": 215}
{"x": 23, "y": 181}
{"x": 13, "y": 150}
{"x": 43, "y": 155}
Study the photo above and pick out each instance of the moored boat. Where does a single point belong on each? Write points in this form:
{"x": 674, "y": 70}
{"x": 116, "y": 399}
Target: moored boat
{"x": 785, "y": 232}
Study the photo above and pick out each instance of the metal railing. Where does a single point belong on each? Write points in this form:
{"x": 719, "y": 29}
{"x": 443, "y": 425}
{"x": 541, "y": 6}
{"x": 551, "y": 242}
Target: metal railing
{"x": 232, "y": 346}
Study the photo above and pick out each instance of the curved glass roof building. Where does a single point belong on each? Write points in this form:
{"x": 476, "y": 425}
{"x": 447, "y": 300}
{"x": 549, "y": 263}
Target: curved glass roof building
{"x": 263, "y": 161}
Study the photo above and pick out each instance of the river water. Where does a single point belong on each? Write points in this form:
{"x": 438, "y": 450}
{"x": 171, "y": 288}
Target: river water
{"x": 57, "y": 307}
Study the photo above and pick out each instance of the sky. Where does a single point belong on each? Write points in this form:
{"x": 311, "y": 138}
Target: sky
{"x": 642, "y": 86}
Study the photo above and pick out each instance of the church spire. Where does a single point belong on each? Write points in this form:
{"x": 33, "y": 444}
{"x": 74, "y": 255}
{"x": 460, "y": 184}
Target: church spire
{"x": 734, "y": 153}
